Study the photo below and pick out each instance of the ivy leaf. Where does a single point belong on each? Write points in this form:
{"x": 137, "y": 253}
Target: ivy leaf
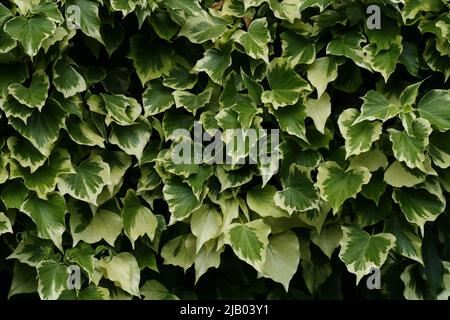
{"x": 214, "y": 63}
{"x": 30, "y": 32}
{"x": 203, "y": 27}
{"x": 5, "y": 224}
{"x": 52, "y": 279}
{"x": 262, "y": 201}
{"x": 67, "y": 80}
{"x": 319, "y": 110}
{"x": 156, "y": 98}
{"x": 123, "y": 270}
{"x": 376, "y": 107}
{"x": 361, "y": 251}
{"x": 434, "y": 107}
{"x": 358, "y": 136}
{"x": 285, "y": 84}
{"x": 206, "y": 223}
{"x": 181, "y": 200}
{"x": 89, "y": 17}
{"x": 323, "y": 71}
{"x": 255, "y": 40}
{"x": 35, "y": 96}
{"x": 337, "y": 185}
{"x": 180, "y": 251}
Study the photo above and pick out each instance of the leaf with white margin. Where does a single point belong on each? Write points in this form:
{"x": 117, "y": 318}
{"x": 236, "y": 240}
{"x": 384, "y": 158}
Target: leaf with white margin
{"x": 36, "y": 94}
{"x": 377, "y": 107}
{"x": 87, "y": 181}
{"x": 192, "y": 102}
{"x": 14, "y": 194}
{"x": 409, "y": 95}
{"x": 131, "y": 139}
{"x": 206, "y": 223}
{"x": 67, "y": 80}
{"x": 282, "y": 258}
{"x": 153, "y": 290}
{"x": 42, "y": 128}
{"x": 384, "y": 61}
{"x": 156, "y": 98}
{"x": 48, "y": 215}
{"x": 434, "y": 107}
{"x": 14, "y": 109}
{"x": 297, "y": 48}
{"x": 285, "y": 84}
{"x": 83, "y": 255}
{"x": 138, "y": 220}
{"x": 319, "y": 110}
{"x": 84, "y": 132}
{"x": 292, "y": 120}
{"x": 30, "y": 32}
{"x": 408, "y": 243}
{"x": 419, "y": 205}
{"x": 104, "y": 224}
{"x": 180, "y": 251}
{"x": 125, "y": 6}
{"x": 299, "y": 193}
{"x": 215, "y": 62}
{"x": 409, "y": 148}
{"x": 233, "y": 179}
{"x": 255, "y": 39}
{"x": 249, "y": 241}
{"x": 399, "y": 175}
{"x": 328, "y": 238}
{"x": 439, "y": 149}
{"x": 203, "y": 27}
{"x": 323, "y": 71}
{"x": 43, "y": 180}
{"x": 361, "y": 251}
{"x": 372, "y": 160}
{"x": 337, "y": 185}
{"x": 321, "y": 4}
{"x": 414, "y": 283}
{"x": 150, "y": 61}
{"x": 208, "y": 257}
{"x": 121, "y": 109}
{"x": 285, "y": 10}
{"x": 191, "y": 7}
{"x": 181, "y": 200}
{"x": 360, "y": 136}
{"x": 52, "y": 279}
{"x": 349, "y": 45}
{"x": 89, "y": 17}
{"x": 261, "y": 201}
{"x": 123, "y": 270}
{"x": 25, "y": 153}
{"x": 5, "y": 224}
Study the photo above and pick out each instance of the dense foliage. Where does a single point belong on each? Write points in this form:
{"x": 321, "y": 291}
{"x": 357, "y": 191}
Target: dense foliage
{"x": 92, "y": 93}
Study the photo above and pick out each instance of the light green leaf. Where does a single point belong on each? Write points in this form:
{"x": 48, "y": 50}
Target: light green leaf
{"x": 297, "y": 48}
{"x": 282, "y": 258}
{"x": 52, "y": 279}
{"x": 121, "y": 109}
{"x": 138, "y": 220}
{"x": 67, "y": 80}
{"x": 261, "y": 201}
{"x": 249, "y": 241}
{"x": 156, "y": 99}
{"x": 337, "y": 185}
{"x": 285, "y": 10}
{"x": 285, "y": 84}
{"x": 83, "y": 255}
{"x": 384, "y": 61}
{"x": 180, "y": 251}
{"x": 131, "y": 139}
{"x": 434, "y": 107}
{"x": 208, "y": 257}
{"x": 399, "y": 175}
{"x": 328, "y": 238}
{"x": 203, "y": 27}
{"x": 439, "y": 149}
{"x": 84, "y": 133}
{"x": 5, "y": 224}
{"x": 360, "y": 136}
{"x": 206, "y": 223}
{"x": 377, "y": 107}
{"x": 319, "y": 110}
{"x": 180, "y": 198}
{"x": 124, "y": 271}
{"x": 192, "y": 102}
{"x": 361, "y": 251}
{"x": 349, "y": 45}
{"x": 87, "y": 181}
{"x": 89, "y": 17}
{"x": 323, "y": 71}
{"x": 214, "y": 63}
{"x": 153, "y": 290}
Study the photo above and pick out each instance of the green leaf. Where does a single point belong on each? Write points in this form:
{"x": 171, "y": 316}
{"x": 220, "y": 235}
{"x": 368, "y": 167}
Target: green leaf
{"x": 153, "y": 290}
{"x": 299, "y": 193}
{"x": 361, "y": 251}
{"x": 206, "y": 223}
{"x": 30, "y": 32}
{"x": 297, "y": 48}
{"x": 282, "y": 258}
{"x": 255, "y": 39}
{"x": 409, "y": 148}
{"x": 121, "y": 109}
{"x": 419, "y": 206}
{"x": 180, "y": 251}
{"x": 285, "y": 84}
{"x": 327, "y": 239}
{"x": 262, "y": 201}
{"x": 349, "y": 45}
{"x": 384, "y": 61}
{"x": 84, "y": 133}
{"x": 67, "y": 80}
{"x": 408, "y": 243}
{"x": 358, "y": 136}
{"x": 292, "y": 120}
{"x": 23, "y": 152}
{"x": 156, "y": 99}
{"x": 434, "y": 107}
{"x": 124, "y": 271}
{"x": 377, "y": 107}
{"x": 439, "y": 149}
{"x": 87, "y": 181}
{"x": 192, "y": 102}
{"x": 83, "y": 255}
{"x": 208, "y": 257}
{"x": 323, "y": 71}
{"x": 149, "y": 61}
{"x": 89, "y": 17}
{"x": 48, "y": 215}
{"x": 285, "y": 10}
{"x": 249, "y": 241}
{"x": 5, "y": 224}
{"x": 399, "y": 175}
{"x": 138, "y": 220}
{"x": 319, "y": 110}
{"x": 35, "y": 95}
{"x": 131, "y": 139}
{"x": 181, "y": 200}
{"x": 14, "y": 194}
{"x": 203, "y": 27}
{"x": 214, "y": 63}
{"x": 23, "y": 280}
{"x": 337, "y": 185}
{"x": 52, "y": 279}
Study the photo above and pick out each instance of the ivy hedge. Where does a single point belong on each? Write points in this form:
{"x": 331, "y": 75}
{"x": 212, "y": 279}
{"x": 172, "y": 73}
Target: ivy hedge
{"x": 351, "y": 204}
